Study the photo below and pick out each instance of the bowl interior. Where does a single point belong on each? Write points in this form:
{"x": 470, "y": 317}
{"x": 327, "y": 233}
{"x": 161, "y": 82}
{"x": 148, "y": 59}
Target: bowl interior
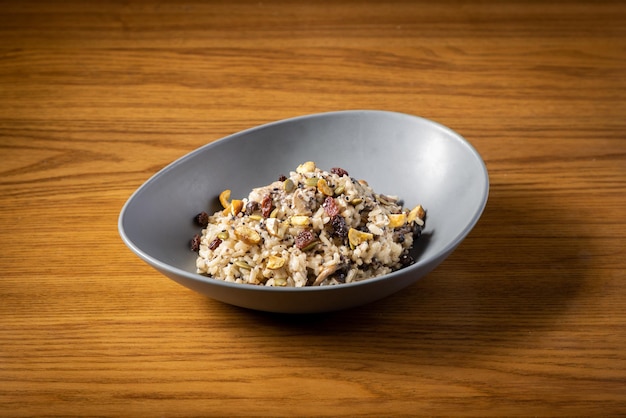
{"x": 416, "y": 159}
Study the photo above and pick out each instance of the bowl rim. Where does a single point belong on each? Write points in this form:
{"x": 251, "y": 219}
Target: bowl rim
{"x": 448, "y": 248}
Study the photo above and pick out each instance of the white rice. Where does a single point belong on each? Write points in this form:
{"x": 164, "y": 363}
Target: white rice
{"x": 332, "y": 258}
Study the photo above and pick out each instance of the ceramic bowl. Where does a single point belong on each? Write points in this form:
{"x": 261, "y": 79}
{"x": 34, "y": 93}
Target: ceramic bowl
{"x": 416, "y": 159}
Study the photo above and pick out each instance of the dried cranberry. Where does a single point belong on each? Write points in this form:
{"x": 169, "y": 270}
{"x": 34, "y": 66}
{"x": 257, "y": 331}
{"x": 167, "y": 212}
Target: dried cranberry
{"x": 214, "y": 244}
{"x": 330, "y": 207}
{"x": 202, "y": 219}
{"x": 195, "y": 243}
{"x": 339, "y": 171}
{"x": 266, "y": 206}
{"x": 305, "y": 238}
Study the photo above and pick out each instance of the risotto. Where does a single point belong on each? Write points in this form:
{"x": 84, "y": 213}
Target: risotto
{"x": 312, "y": 228}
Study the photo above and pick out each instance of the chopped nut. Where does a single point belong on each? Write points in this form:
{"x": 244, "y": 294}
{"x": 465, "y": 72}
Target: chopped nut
{"x": 357, "y": 237}
{"x": 234, "y": 207}
{"x": 300, "y": 220}
{"x": 417, "y": 214}
{"x": 225, "y": 198}
{"x": 247, "y": 235}
{"x": 307, "y": 167}
{"x": 322, "y": 186}
{"x": 275, "y": 262}
{"x": 396, "y": 220}
{"x": 272, "y": 226}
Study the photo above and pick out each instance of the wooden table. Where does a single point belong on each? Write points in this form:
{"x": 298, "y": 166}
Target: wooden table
{"x": 527, "y": 317}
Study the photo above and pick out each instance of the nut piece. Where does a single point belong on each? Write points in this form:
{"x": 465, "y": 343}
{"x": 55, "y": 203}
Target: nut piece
{"x": 307, "y": 167}
{"x": 275, "y": 262}
{"x": 247, "y": 235}
{"x": 396, "y": 220}
{"x": 417, "y": 215}
{"x": 322, "y": 186}
{"x": 357, "y": 237}
{"x": 300, "y": 220}
{"x": 224, "y": 198}
{"x": 234, "y": 207}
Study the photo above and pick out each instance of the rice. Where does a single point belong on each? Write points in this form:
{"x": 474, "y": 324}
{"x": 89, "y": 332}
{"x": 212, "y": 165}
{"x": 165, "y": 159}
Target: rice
{"x": 313, "y": 228}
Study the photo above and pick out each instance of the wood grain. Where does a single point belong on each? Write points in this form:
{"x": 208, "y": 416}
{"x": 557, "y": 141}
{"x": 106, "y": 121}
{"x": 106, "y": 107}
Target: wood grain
{"x": 526, "y": 318}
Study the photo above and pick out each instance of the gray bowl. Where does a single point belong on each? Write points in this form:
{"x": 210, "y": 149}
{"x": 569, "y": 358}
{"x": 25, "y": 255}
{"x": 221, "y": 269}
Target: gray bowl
{"x": 398, "y": 154}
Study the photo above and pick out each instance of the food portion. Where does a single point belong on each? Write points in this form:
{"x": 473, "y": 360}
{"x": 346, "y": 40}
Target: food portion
{"x": 313, "y": 228}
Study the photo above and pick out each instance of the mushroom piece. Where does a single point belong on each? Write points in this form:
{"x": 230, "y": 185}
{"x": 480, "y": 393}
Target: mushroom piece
{"x": 327, "y": 271}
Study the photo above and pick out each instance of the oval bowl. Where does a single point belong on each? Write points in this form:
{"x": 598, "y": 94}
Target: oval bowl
{"x": 416, "y": 159}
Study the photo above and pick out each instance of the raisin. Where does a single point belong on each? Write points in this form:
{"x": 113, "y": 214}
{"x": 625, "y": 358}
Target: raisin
{"x": 330, "y": 207}
{"x": 282, "y": 177}
{"x": 305, "y": 238}
{"x": 202, "y": 219}
{"x": 340, "y": 228}
{"x": 339, "y": 171}
{"x": 406, "y": 260}
{"x": 266, "y": 206}
{"x": 214, "y": 244}
{"x": 251, "y": 207}
{"x": 195, "y": 243}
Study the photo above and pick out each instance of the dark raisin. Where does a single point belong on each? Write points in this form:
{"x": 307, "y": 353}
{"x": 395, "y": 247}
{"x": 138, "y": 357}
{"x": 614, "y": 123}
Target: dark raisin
{"x": 305, "y": 238}
{"x": 214, "y": 244}
{"x": 330, "y": 207}
{"x": 339, "y": 171}
{"x": 195, "y": 243}
{"x": 282, "y": 177}
{"x": 406, "y": 260}
{"x": 266, "y": 206}
{"x": 251, "y": 207}
{"x": 202, "y": 219}
{"x": 340, "y": 228}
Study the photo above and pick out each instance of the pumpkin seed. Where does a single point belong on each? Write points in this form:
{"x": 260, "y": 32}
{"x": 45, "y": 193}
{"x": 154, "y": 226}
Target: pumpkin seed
{"x": 339, "y": 190}
{"x": 288, "y": 185}
{"x": 223, "y": 235}
{"x": 243, "y": 265}
{"x": 310, "y": 246}
{"x": 311, "y": 182}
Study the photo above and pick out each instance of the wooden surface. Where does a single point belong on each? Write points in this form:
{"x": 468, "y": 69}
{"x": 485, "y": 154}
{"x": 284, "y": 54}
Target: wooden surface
{"x": 527, "y": 317}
